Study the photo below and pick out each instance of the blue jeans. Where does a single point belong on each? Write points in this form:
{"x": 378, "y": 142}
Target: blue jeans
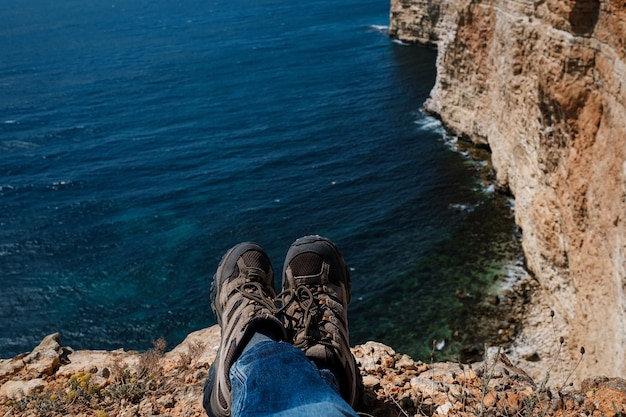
{"x": 277, "y": 379}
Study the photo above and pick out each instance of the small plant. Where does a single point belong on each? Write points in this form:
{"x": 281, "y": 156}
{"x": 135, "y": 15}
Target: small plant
{"x": 83, "y": 387}
{"x": 186, "y": 358}
{"x": 149, "y": 361}
{"x": 487, "y": 375}
{"x": 131, "y": 387}
{"x": 432, "y": 360}
{"x": 582, "y": 354}
{"x": 77, "y": 393}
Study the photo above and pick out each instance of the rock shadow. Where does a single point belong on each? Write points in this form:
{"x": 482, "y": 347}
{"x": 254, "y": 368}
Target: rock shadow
{"x": 584, "y": 16}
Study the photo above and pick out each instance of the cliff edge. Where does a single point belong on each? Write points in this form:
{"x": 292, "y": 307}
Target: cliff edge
{"x": 54, "y": 381}
{"x": 543, "y": 84}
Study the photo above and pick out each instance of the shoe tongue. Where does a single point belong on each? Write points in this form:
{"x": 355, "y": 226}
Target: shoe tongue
{"x": 254, "y": 263}
{"x": 256, "y": 259}
{"x": 307, "y": 263}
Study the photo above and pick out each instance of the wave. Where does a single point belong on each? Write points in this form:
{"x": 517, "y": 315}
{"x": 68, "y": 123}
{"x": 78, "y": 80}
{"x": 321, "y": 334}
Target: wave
{"x": 488, "y": 189}
{"x": 451, "y": 142}
{"x": 514, "y": 273}
{"x": 399, "y": 42}
{"x": 468, "y": 208}
{"x": 379, "y": 28}
{"x": 8, "y": 145}
{"x": 429, "y": 124}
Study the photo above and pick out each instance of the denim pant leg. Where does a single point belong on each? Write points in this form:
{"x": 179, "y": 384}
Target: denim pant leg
{"x": 277, "y": 379}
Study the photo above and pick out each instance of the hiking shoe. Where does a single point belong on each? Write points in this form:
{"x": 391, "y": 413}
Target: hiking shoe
{"x": 315, "y": 298}
{"x": 242, "y": 299}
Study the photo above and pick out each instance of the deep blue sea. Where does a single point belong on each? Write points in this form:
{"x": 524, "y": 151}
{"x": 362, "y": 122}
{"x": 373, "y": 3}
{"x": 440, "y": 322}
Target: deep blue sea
{"x": 139, "y": 140}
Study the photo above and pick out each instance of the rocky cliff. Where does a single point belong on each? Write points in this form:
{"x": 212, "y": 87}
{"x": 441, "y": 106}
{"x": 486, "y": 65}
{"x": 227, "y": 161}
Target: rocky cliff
{"x": 543, "y": 84}
{"x": 54, "y": 380}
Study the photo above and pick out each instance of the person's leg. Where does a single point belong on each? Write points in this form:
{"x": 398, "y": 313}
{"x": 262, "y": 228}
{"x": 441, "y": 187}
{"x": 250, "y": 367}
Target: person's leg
{"x": 253, "y": 373}
{"x": 315, "y": 298}
{"x": 276, "y": 379}
{"x": 242, "y": 299}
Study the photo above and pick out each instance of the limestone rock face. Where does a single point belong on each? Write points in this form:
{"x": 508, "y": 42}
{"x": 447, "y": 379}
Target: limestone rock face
{"x": 543, "y": 83}
{"x": 417, "y": 20}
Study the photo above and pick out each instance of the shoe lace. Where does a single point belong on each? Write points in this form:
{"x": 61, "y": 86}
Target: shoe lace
{"x": 253, "y": 288}
{"x": 310, "y": 316}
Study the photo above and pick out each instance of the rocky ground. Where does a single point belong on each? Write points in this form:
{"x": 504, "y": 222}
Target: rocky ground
{"x": 54, "y": 380}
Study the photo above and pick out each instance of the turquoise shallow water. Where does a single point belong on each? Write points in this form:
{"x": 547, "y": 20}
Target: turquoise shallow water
{"x": 140, "y": 140}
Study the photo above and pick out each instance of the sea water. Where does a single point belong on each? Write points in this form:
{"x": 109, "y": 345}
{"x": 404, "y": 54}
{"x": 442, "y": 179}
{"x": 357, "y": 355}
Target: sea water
{"x": 140, "y": 140}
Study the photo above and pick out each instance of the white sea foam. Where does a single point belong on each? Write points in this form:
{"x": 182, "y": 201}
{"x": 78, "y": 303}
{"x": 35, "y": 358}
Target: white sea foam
{"x": 468, "y": 208}
{"x": 451, "y": 142}
{"x": 7, "y": 248}
{"x": 511, "y": 202}
{"x": 379, "y": 28}
{"x": 61, "y": 185}
{"x": 399, "y": 42}
{"x": 429, "y": 124}
{"x": 17, "y": 144}
{"x": 514, "y": 273}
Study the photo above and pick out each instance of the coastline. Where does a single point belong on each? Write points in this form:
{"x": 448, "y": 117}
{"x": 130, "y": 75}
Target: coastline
{"x": 516, "y": 316}
{"x": 500, "y": 317}
{"x": 539, "y": 86}
{"x": 536, "y": 338}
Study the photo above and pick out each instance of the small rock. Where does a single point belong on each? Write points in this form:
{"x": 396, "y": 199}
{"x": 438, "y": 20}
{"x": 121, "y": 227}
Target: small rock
{"x": 199, "y": 374}
{"x": 532, "y": 357}
{"x": 19, "y": 389}
{"x": 509, "y": 293}
{"x": 371, "y": 381}
{"x": 130, "y": 411}
{"x": 502, "y": 324}
{"x": 444, "y": 409}
{"x": 491, "y": 398}
{"x": 146, "y": 408}
{"x": 45, "y": 358}
{"x": 493, "y": 300}
{"x": 388, "y": 362}
{"x": 405, "y": 362}
{"x": 422, "y": 385}
{"x": 11, "y": 366}
{"x": 372, "y": 356}
{"x": 167, "y": 401}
